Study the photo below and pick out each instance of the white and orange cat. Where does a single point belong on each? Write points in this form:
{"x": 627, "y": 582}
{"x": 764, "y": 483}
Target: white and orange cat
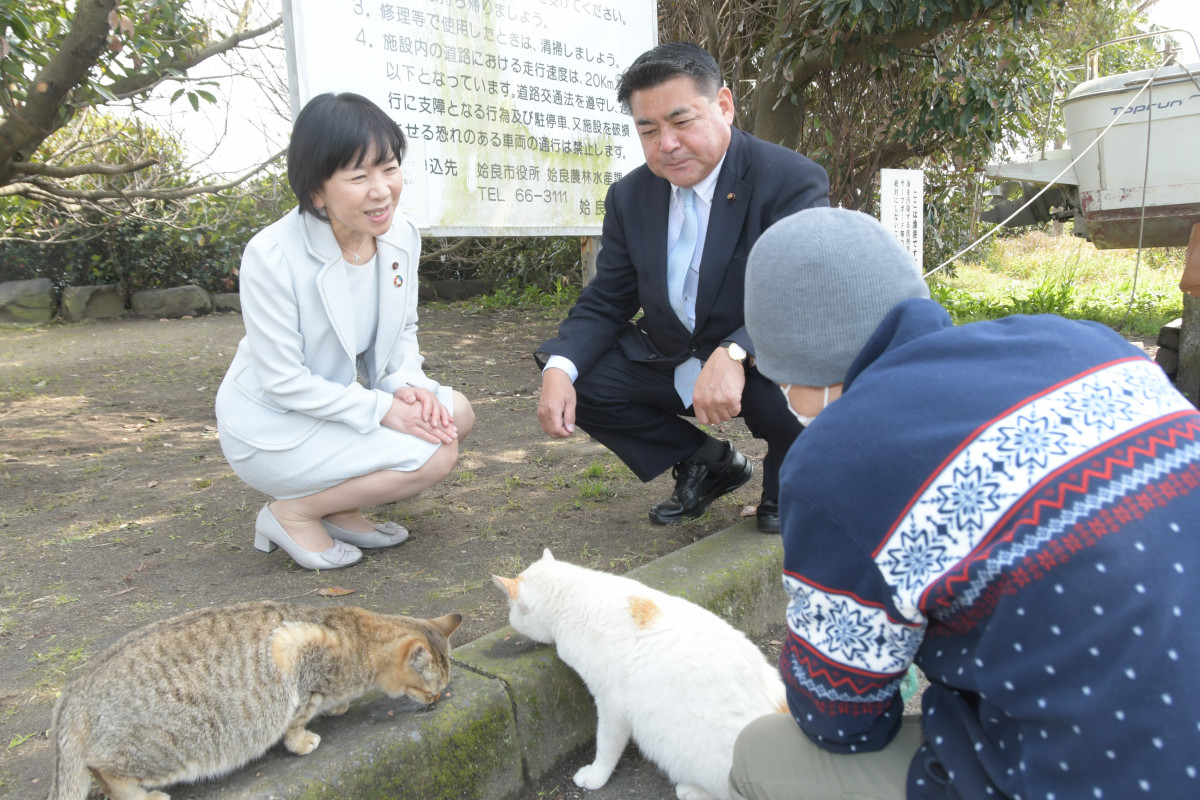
{"x": 678, "y": 678}
{"x": 198, "y": 695}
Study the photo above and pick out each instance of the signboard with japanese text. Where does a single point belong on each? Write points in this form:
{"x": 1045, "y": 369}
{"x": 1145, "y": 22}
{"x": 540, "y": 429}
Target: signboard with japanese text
{"x": 509, "y": 108}
{"x": 902, "y": 208}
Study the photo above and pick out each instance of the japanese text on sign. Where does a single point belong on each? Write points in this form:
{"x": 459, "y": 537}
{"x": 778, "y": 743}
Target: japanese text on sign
{"x": 509, "y": 108}
{"x": 902, "y": 210}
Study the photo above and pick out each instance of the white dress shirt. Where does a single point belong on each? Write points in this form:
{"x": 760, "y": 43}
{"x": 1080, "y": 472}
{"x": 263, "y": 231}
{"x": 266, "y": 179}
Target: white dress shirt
{"x": 704, "y": 195}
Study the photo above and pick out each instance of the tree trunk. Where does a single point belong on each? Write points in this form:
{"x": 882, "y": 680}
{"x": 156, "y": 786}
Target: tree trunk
{"x": 1187, "y": 377}
{"x": 45, "y": 105}
{"x": 776, "y": 119}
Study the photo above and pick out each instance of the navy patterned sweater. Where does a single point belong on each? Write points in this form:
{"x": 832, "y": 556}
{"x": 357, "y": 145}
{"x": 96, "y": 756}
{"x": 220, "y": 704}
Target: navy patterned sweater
{"x": 1014, "y": 506}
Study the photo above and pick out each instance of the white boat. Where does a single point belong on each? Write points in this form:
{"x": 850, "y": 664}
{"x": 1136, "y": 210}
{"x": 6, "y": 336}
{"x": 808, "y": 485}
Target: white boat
{"x": 1136, "y": 176}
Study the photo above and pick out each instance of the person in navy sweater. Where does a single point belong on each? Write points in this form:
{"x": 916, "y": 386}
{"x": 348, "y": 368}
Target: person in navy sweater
{"x": 1011, "y": 505}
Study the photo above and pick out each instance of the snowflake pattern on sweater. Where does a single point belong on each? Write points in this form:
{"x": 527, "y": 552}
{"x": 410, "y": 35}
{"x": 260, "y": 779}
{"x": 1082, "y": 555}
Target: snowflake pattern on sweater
{"x": 1013, "y": 574}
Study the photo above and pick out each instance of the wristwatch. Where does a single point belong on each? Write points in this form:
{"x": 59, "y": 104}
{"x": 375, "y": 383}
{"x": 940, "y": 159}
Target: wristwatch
{"x": 738, "y": 353}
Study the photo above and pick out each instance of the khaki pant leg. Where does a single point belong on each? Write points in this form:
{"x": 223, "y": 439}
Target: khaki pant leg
{"x": 773, "y": 760}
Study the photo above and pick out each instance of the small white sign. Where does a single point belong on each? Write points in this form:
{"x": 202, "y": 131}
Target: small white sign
{"x": 902, "y": 208}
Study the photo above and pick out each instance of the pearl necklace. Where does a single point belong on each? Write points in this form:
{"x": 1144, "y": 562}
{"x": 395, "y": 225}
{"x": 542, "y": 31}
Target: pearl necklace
{"x": 355, "y": 255}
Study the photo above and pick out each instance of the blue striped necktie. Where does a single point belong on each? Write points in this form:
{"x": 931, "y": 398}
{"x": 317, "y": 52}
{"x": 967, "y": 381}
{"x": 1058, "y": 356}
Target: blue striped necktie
{"x": 679, "y": 261}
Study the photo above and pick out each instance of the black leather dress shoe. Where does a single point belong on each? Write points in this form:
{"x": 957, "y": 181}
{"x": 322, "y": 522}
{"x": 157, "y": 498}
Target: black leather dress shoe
{"x": 767, "y": 516}
{"x": 698, "y": 483}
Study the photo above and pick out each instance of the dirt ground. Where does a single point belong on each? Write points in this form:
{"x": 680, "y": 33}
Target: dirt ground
{"x": 117, "y": 507}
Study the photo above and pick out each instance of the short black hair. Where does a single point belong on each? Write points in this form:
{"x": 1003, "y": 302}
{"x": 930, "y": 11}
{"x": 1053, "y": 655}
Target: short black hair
{"x": 335, "y": 131}
{"x": 671, "y": 60}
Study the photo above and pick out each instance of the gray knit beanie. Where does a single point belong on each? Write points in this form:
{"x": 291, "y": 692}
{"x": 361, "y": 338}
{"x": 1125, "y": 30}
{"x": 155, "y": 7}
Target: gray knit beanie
{"x": 818, "y": 283}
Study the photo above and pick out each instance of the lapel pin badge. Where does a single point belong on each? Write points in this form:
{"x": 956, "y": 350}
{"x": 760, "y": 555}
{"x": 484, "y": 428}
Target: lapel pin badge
{"x": 398, "y": 281}
{"x": 731, "y": 197}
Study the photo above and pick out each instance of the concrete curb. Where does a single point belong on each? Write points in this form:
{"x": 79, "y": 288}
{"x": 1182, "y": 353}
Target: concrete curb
{"x": 514, "y": 709}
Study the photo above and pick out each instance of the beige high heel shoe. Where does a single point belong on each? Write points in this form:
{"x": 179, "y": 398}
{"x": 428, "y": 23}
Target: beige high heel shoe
{"x": 386, "y": 534}
{"x": 268, "y": 534}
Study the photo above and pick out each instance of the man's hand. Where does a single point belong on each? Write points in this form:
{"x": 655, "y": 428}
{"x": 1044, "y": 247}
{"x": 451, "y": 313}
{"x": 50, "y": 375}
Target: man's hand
{"x": 718, "y": 393}
{"x": 417, "y": 411}
{"x": 556, "y": 409}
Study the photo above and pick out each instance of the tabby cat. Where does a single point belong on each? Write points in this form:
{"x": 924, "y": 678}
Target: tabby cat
{"x": 678, "y": 678}
{"x": 199, "y": 695}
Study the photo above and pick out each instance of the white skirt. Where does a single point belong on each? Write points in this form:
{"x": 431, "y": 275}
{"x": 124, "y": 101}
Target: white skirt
{"x": 331, "y": 456}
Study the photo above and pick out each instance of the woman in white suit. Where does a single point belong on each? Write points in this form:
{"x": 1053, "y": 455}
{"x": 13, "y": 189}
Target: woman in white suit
{"x": 325, "y": 406}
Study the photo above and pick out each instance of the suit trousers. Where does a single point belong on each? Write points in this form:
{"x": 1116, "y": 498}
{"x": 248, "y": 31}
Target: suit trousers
{"x": 633, "y": 410}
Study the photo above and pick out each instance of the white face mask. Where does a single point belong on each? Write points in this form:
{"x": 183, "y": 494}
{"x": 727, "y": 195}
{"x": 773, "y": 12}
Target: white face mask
{"x": 803, "y": 420}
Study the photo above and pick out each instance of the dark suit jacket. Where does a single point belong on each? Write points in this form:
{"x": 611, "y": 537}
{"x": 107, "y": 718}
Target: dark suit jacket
{"x": 759, "y": 184}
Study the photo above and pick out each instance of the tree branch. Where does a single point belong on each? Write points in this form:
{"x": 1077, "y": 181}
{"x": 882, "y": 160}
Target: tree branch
{"x": 821, "y": 58}
{"x": 79, "y": 170}
{"x": 140, "y": 82}
{"x": 36, "y": 189}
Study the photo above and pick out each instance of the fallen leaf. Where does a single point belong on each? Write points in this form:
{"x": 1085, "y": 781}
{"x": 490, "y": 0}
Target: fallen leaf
{"x": 334, "y": 591}
{"x": 748, "y": 511}
{"x": 151, "y": 484}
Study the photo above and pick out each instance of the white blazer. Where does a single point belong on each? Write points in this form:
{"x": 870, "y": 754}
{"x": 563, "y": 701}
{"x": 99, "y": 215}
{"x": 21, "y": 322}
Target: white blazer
{"x": 296, "y": 368}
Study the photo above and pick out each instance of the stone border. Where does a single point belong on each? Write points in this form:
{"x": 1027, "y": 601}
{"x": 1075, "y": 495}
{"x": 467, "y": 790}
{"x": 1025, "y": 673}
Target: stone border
{"x": 33, "y": 302}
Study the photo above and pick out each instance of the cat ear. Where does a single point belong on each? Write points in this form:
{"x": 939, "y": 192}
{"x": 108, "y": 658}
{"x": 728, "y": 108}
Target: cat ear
{"x": 447, "y": 623}
{"x": 419, "y": 658}
{"x": 547, "y": 555}
{"x": 508, "y": 585}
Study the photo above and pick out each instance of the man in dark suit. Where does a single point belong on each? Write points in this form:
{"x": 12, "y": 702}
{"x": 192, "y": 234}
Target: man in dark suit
{"x": 676, "y": 235}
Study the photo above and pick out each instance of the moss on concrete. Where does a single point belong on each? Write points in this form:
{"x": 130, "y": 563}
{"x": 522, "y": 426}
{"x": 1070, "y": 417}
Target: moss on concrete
{"x": 463, "y": 755}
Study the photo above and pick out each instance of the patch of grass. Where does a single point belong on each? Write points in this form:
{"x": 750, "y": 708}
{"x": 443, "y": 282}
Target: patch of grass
{"x": 1036, "y": 273}
{"x": 19, "y": 740}
{"x": 594, "y": 490}
{"x": 514, "y": 294}
{"x": 558, "y": 481}
{"x": 508, "y": 566}
{"x": 10, "y": 598}
{"x": 592, "y": 470}
{"x": 464, "y": 477}
{"x": 587, "y": 553}
{"x": 58, "y": 656}
{"x": 464, "y": 588}
{"x": 26, "y": 387}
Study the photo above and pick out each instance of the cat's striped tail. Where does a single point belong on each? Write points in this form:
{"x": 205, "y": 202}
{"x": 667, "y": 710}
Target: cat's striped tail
{"x": 69, "y": 779}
